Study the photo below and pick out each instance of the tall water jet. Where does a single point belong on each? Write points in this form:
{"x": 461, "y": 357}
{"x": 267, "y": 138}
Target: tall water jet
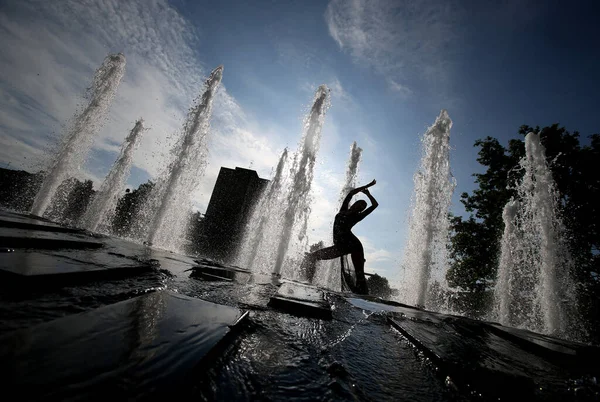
{"x": 284, "y": 208}
{"x": 534, "y": 288}
{"x": 297, "y": 207}
{"x": 259, "y": 226}
{"x": 185, "y": 172}
{"x": 509, "y": 258}
{"x": 351, "y": 172}
{"x": 105, "y": 201}
{"x": 425, "y": 254}
{"x": 79, "y": 137}
{"x": 328, "y": 274}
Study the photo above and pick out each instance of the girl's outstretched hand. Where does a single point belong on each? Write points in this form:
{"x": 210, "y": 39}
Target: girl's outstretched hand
{"x": 362, "y": 188}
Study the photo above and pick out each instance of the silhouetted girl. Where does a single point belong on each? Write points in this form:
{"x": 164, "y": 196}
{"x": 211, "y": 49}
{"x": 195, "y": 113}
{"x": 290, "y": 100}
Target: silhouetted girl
{"x": 344, "y": 241}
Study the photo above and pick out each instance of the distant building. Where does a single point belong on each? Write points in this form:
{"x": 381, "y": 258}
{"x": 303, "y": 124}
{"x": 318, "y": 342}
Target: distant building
{"x": 236, "y": 192}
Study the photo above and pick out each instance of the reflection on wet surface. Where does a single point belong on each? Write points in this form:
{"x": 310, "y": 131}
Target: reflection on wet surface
{"x": 368, "y": 350}
{"x": 139, "y": 347}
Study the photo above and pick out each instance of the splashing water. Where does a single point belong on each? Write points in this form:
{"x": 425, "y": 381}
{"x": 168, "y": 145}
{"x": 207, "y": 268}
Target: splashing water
{"x": 328, "y": 272}
{"x": 78, "y": 140}
{"x": 425, "y": 257}
{"x": 284, "y": 209}
{"x": 534, "y": 289}
{"x": 297, "y": 209}
{"x": 259, "y": 225}
{"x": 351, "y": 171}
{"x": 509, "y": 257}
{"x": 104, "y": 203}
{"x": 173, "y": 193}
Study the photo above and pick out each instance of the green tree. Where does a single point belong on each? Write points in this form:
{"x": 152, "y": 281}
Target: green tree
{"x": 317, "y": 246}
{"x": 379, "y": 286}
{"x": 195, "y": 233}
{"x": 310, "y": 268}
{"x": 128, "y": 207}
{"x": 475, "y": 240}
{"x": 70, "y": 201}
{"x": 18, "y": 188}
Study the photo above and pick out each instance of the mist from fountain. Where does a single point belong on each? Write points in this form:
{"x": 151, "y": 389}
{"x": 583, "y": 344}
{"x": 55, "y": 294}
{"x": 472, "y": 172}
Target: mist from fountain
{"x": 354, "y": 160}
{"x": 78, "y": 139}
{"x": 259, "y": 225}
{"x": 534, "y": 289}
{"x": 327, "y": 274}
{"x": 509, "y": 257}
{"x": 283, "y": 211}
{"x": 172, "y": 194}
{"x": 297, "y": 206}
{"x": 425, "y": 256}
{"x": 101, "y": 209}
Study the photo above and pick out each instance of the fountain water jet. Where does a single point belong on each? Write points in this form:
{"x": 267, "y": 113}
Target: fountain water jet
{"x": 184, "y": 173}
{"x": 105, "y": 201}
{"x": 425, "y": 252}
{"x": 78, "y": 140}
{"x": 534, "y": 286}
{"x": 284, "y": 208}
{"x": 297, "y": 203}
{"x": 328, "y": 273}
{"x": 259, "y": 226}
{"x": 351, "y": 171}
{"x": 509, "y": 257}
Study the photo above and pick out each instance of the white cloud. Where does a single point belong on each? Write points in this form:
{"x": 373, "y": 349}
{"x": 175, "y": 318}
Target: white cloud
{"x": 402, "y": 40}
{"x": 50, "y": 51}
{"x": 340, "y": 98}
{"x": 339, "y": 93}
{"x": 399, "y": 88}
{"x": 379, "y": 260}
{"x": 17, "y": 154}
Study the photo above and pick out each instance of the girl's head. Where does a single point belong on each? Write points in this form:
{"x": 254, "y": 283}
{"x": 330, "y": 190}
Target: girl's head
{"x": 358, "y": 206}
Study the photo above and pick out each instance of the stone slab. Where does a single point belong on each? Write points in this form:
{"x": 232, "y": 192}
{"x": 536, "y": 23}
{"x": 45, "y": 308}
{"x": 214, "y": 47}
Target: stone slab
{"x": 23, "y": 217}
{"x": 220, "y": 272}
{"x": 303, "y": 300}
{"x": 31, "y": 224}
{"x": 563, "y": 352}
{"x": 478, "y": 361}
{"x": 45, "y": 243}
{"x": 373, "y": 303}
{"x": 210, "y": 277}
{"x": 32, "y": 268}
{"x": 47, "y": 240}
{"x": 141, "y": 348}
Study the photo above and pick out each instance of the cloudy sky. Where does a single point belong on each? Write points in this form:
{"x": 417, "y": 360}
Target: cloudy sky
{"x": 392, "y": 65}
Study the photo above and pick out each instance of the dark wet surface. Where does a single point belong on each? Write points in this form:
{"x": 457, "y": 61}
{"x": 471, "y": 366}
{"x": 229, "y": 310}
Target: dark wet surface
{"x": 356, "y": 355}
{"x": 134, "y": 349}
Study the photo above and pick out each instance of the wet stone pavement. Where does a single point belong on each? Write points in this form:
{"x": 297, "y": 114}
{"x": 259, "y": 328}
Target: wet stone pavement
{"x": 125, "y": 321}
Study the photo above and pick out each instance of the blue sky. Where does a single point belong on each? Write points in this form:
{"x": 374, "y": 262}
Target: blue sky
{"x": 391, "y": 65}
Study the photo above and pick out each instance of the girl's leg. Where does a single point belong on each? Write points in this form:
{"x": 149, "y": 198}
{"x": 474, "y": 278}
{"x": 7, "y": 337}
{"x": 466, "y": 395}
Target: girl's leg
{"x": 309, "y": 264}
{"x": 358, "y": 260}
{"x": 327, "y": 253}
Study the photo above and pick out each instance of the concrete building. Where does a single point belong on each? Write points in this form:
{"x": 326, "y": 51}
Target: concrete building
{"x": 236, "y": 192}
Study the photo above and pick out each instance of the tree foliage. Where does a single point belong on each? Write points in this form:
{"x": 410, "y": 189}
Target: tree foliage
{"x": 70, "y": 201}
{"x": 316, "y": 246}
{"x": 195, "y": 234}
{"x": 128, "y": 207}
{"x": 475, "y": 240}
{"x": 18, "y": 188}
{"x": 379, "y": 286}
